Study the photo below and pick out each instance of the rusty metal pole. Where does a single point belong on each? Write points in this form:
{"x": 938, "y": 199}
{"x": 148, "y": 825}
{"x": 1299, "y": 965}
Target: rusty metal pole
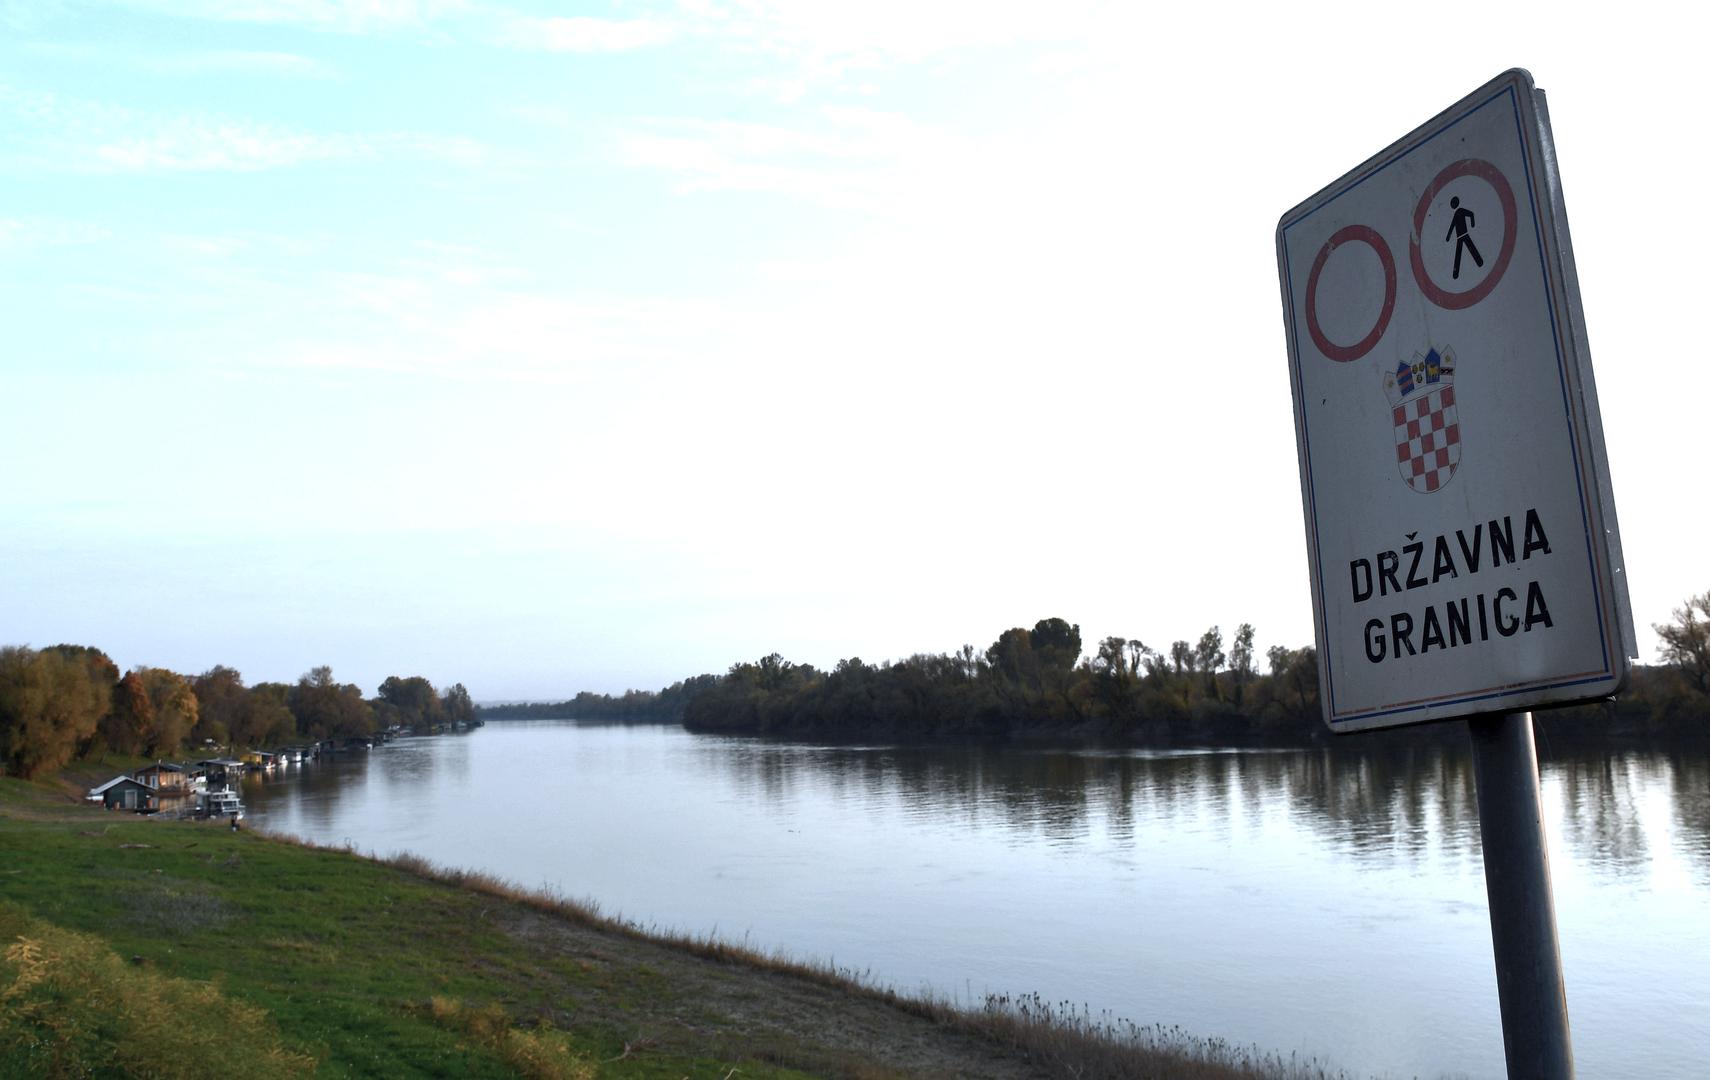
{"x": 1535, "y": 1033}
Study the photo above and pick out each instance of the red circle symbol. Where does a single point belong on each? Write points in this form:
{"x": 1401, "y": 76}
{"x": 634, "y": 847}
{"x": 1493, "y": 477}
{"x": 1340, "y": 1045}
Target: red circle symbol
{"x": 1348, "y": 234}
{"x": 1490, "y": 174}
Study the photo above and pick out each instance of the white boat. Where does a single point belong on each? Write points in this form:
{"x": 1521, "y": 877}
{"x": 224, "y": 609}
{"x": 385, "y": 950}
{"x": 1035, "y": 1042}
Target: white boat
{"x": 222, "y": 804}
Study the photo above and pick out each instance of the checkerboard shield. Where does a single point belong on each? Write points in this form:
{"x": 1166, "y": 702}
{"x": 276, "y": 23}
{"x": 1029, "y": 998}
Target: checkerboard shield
{"x": 1427, "y": 425}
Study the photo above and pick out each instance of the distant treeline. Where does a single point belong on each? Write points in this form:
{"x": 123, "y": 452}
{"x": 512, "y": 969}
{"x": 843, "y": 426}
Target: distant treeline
{"x": 66, "y": 702}
{"x": 1035, "y": 684}
{"x": 649, "y": 706}
{"x": 1030, "y": 684}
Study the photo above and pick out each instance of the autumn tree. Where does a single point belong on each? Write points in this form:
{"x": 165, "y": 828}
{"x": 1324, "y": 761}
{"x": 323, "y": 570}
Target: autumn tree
{"x": 127, "y": 725}
{"x": 51, "y": 704}
{"x": 175, "y": 711}
{"x": 103, "y": 673}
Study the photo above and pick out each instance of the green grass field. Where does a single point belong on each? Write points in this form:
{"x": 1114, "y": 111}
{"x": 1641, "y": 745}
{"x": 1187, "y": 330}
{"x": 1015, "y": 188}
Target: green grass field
{"x": 182, "y": 949}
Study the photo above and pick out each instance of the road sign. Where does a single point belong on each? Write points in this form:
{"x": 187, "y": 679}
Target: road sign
{"x": 1459, "y": 516}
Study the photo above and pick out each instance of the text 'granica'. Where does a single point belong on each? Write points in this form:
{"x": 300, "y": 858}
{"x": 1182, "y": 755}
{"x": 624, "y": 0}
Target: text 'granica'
{"x": 1463, "y": 621}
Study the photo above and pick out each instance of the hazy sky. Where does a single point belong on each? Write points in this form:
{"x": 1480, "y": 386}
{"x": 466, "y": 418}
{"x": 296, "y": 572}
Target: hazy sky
{"x": 551, "y": 347}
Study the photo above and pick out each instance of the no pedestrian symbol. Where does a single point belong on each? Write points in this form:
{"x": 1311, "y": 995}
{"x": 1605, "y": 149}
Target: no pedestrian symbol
{"x": 1459, "y": 520}
{"x": 1460, "y": 231}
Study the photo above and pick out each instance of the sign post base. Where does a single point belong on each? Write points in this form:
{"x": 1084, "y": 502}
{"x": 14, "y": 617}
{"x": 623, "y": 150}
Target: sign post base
{"x": 1535, "y": 1033}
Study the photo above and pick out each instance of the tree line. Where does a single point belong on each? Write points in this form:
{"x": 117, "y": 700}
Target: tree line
{"x": 1036, "y": 683}
{"x": 632, "y": 706}
{"x": 1030, "y": 682}
{"x": 67, "y": 702}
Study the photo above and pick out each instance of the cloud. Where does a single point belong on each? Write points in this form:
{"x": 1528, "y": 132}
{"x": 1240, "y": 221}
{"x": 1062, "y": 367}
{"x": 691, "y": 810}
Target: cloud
{"x": 345, "y": 16}
{"x": 198, "y": 144}
{"x": 201, "y": 62}
{"x": 850, "y": 159}
{"x": 92, "y": 137}
{"x": 583, "y": 34}
{"x": 233, "y": 61}
{"x": 34, "y": 233}
{"x": 819, "y": 46}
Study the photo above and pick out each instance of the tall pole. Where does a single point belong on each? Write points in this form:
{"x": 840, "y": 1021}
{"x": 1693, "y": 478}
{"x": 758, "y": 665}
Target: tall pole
{"x": 1535, "y": 1032}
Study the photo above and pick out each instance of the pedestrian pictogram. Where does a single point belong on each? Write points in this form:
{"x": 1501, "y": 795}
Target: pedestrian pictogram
{"x": 1478, "y": 174}
{"x": 1460, "y": 231}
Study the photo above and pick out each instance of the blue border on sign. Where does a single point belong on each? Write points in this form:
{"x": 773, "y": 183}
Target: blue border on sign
{"x": 1550, "y": 280}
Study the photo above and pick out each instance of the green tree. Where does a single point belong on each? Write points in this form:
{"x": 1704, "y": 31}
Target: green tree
{"x": 1115, "y": 673}
{"x": 456, "y": 705}
{"x": 266, "y": 718}
{"x": 1241, "y": 660}
{"x": 1208, "y": 657}
{"x": 1058, "y": 643}
{"x": 1686, "y": 642}
{"x": 324, "y": 709}
{"x": 1182, "y": 658}
{"x": 1012, "y": 657}
{"x": 1208, "y": 654}
{"x": 414, "y": 698}
{"x": 221, "y": 701}
{"x": 1294, "y": 682}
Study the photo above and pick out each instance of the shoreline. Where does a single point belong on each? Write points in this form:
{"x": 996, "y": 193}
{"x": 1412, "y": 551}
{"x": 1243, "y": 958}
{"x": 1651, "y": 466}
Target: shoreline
{"x": 532, "y": 970}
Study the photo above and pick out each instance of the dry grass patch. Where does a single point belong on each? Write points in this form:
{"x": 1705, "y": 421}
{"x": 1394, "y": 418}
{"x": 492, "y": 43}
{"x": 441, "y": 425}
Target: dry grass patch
{"x": 542, "y": 1054}
{"x": 70, "y": 1007}
{"x": 1072, "y": 1043}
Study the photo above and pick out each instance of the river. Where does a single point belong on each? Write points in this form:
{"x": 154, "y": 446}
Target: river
{"x": 1324, "y": 903}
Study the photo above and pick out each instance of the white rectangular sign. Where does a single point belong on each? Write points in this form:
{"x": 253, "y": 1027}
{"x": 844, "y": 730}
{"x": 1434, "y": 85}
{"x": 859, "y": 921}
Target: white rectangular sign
{"x": 1459, "y": 516}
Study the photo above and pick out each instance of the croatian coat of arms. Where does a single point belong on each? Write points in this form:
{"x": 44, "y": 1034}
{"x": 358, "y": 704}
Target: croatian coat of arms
{"x": 1427, "y": 428}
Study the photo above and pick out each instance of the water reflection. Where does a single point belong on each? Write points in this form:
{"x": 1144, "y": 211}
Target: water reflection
{"x": 1602, "y": 799}
{"x": 1409, "y": 805}
{"x": 1689, "y": 791}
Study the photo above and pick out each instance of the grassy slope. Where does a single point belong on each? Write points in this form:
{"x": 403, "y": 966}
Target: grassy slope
{"x": 320, "y": 959}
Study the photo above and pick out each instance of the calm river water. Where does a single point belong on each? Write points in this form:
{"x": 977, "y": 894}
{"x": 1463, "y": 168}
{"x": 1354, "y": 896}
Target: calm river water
{"x": 1330, "y": 904}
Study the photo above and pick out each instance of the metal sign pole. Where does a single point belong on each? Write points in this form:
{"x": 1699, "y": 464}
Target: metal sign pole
{"x": 1522, "y": 908}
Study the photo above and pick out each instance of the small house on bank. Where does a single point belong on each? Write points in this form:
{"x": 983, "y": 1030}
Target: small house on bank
{"x": 127, "y": 793}
{"x": 165, "y": 777}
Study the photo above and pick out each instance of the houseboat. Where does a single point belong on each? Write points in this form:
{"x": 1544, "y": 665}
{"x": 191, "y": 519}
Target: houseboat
{"x": 223, "y": 803}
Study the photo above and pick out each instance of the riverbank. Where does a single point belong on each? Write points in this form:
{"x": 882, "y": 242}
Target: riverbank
{"x": 140, "y": 945}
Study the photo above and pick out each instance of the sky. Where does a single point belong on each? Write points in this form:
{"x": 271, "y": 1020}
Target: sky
{"x": 550, "y": 347}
